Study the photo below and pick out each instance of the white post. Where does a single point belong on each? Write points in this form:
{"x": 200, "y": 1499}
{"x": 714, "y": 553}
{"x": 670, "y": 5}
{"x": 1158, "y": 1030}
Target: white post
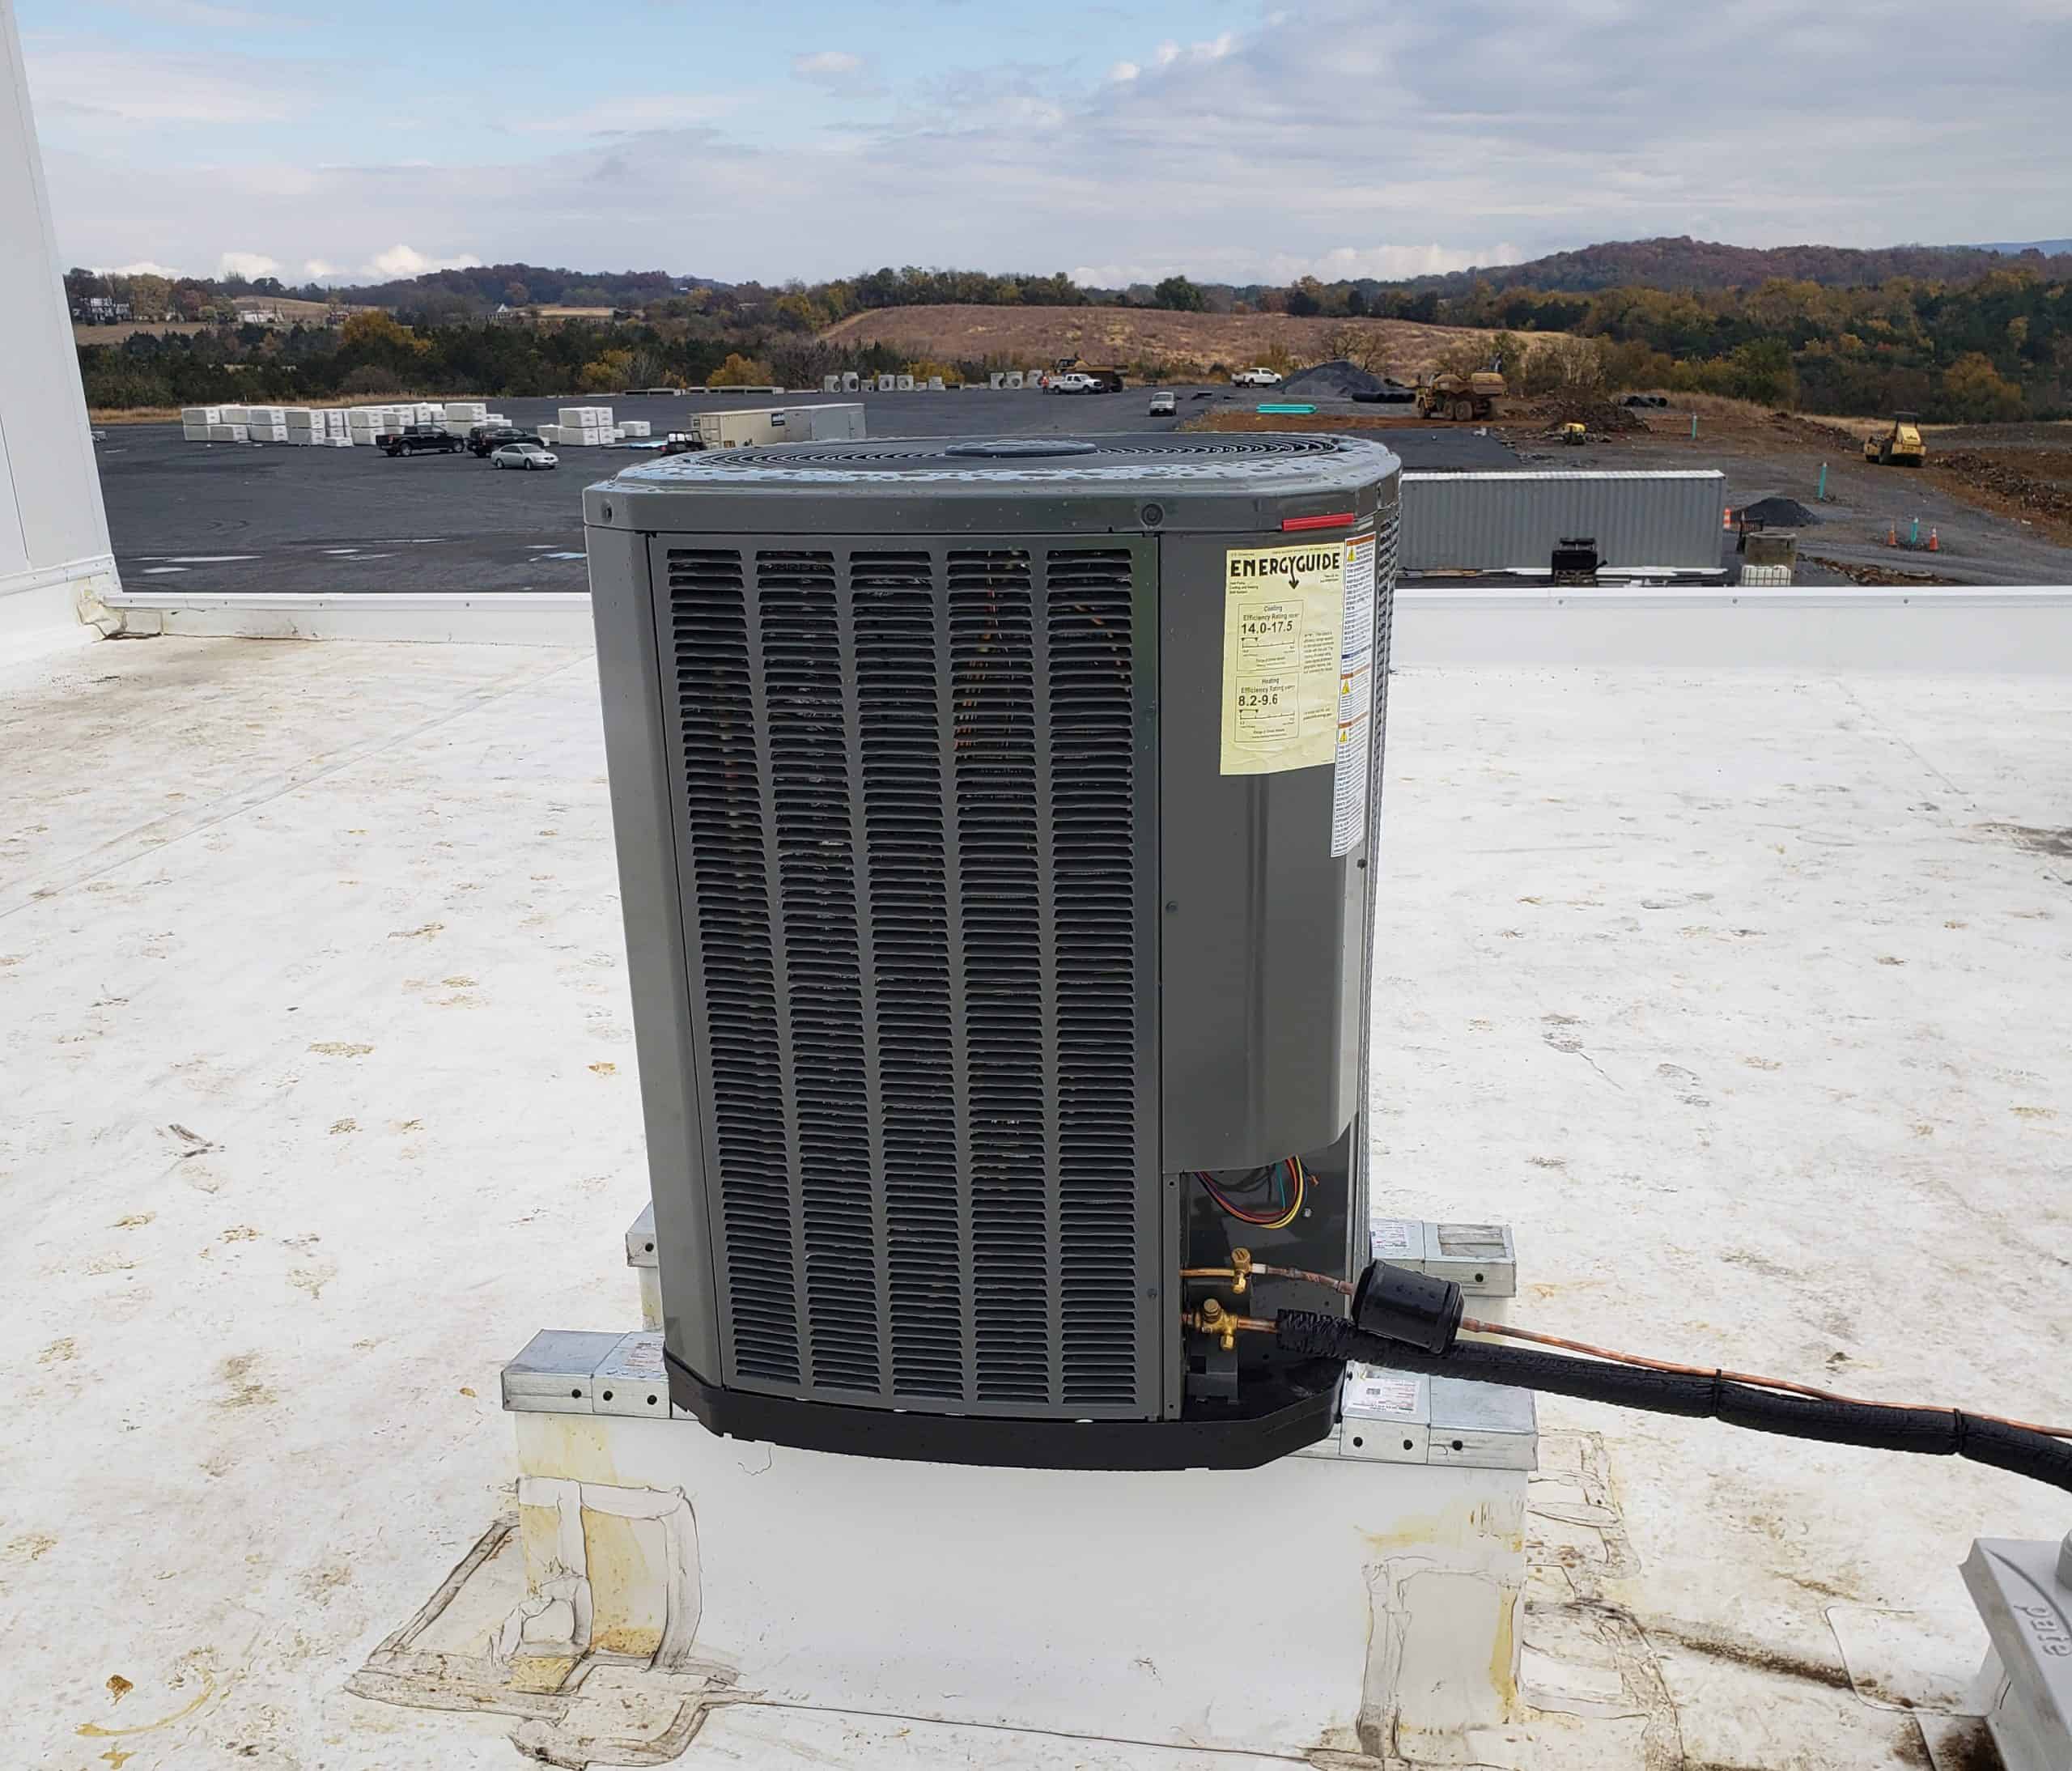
{"x": 55, "y": 563}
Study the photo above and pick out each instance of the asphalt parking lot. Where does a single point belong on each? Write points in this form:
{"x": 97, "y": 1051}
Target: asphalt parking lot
{"x": 266, "y": 517}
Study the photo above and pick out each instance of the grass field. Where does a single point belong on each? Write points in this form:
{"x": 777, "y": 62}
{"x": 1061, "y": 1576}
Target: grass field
{"x": 1034, "y": 338}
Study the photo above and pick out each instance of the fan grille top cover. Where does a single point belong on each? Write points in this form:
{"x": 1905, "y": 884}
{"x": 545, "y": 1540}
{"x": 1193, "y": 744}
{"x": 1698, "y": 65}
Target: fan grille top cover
{"x": 1210, "y": 480}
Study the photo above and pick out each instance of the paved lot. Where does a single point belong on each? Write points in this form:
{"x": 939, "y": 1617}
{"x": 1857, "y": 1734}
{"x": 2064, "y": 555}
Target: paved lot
{"x": 248, "y": 517}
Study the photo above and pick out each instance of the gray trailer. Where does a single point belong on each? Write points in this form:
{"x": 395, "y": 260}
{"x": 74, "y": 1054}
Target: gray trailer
{"x": 1645, "y": 524}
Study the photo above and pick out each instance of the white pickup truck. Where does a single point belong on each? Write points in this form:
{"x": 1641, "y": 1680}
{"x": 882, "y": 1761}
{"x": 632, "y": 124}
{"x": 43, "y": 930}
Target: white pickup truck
{"x": 1254, "y": 378}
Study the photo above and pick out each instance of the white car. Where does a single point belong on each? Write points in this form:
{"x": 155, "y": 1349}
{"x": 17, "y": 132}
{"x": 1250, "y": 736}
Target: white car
{"x": 1255, "y": 378}
{"x": 1164, "y": 406}
{"x": 1073, "y": 382}
{"x": 526, "y": 455}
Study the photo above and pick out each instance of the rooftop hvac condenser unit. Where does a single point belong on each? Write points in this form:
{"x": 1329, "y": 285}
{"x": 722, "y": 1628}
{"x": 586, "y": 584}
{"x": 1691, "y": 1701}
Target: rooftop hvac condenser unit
{"x": 993, "y": 824}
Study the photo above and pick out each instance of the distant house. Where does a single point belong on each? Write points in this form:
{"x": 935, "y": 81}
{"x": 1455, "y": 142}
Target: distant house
{"x": 100, "y": 311}
{"x": 258, "y": 316}
{"x": 506, "y": 315}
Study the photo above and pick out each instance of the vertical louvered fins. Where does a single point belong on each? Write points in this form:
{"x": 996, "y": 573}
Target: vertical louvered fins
{"x": 911, "y": 798}
{"x": 715, "y": 670}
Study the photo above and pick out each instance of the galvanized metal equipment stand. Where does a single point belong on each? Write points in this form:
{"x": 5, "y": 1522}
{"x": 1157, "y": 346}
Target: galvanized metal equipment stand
{"x": 1361, "y": 1599}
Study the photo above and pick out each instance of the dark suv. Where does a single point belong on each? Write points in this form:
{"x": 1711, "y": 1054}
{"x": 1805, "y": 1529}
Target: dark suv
{"x": 484, "y": 438}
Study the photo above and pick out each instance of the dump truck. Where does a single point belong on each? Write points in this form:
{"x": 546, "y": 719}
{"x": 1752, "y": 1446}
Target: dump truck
{"x": 1459, "y": 396}
{"x": 1901, "y": 446}
{"x": 1106, "y": 377}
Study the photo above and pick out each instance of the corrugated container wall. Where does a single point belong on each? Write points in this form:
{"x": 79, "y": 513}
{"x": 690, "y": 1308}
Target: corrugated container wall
{"x": 54, "y": 532}
{"x": 1666, "y": 521}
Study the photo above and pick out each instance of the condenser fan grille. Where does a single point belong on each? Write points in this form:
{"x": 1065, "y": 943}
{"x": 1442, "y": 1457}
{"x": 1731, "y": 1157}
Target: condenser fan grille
{"x": 1007, "y": 461}
{"x": 909, "y": 795}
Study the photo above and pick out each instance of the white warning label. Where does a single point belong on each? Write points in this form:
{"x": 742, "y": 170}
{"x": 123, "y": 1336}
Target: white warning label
{"x": 1371, "y": 1391}
{"x": 1353, "y": 732}
{"x": 1284, "y": 615}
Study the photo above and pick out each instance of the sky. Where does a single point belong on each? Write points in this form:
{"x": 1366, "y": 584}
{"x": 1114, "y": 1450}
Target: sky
{"x": 1229, "y": 139}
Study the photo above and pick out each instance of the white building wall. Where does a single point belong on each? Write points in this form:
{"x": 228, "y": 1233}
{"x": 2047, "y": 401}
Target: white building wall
{"x": 54, "y": 556}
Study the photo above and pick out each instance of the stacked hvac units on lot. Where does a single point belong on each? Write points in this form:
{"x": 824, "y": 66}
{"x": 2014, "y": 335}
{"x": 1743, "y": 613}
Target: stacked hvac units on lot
{"x": 209, "y": 424}
{"x": 266, "y": 424}
{"x": 318, "y": 426}
{"x": 585, "y": 426}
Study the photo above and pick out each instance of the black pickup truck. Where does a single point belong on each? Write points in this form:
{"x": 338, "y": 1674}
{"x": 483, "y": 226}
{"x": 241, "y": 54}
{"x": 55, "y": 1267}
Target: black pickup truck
{"x": 484, "y": 438}
{"x": 417, "y": 438}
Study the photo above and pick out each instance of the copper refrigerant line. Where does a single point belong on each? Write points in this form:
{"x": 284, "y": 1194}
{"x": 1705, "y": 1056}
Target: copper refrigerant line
{"x": 1243, "y": 1269}
{"x": 1470, "y": 1326}
{"x": 1211, "y": 1318}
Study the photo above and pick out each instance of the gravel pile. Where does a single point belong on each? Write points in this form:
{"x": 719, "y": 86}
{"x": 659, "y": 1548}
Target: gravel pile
{"x": 1338, "y": 379}
{"x": 1779, "y": 513}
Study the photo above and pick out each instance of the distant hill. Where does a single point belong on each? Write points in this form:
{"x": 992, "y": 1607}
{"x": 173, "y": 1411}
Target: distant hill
{"x": 485, "y": 287}
{"x": 1036, "y": 337}
{"x": 1684, "y": 263}
{"x": 2050, "y": 249}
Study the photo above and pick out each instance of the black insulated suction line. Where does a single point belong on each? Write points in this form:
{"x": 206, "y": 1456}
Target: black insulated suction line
{"x": 1925, "y": 1432}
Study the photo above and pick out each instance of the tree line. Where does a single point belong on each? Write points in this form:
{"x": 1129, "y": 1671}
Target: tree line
{"x": 1991, "y": 348}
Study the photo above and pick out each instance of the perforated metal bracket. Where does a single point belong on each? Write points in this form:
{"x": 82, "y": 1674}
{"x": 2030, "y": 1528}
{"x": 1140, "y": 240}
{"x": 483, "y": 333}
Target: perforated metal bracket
{"x": 641, "y": 1239}
{"x": 2023, "y": 1592}
{"x": 1402, "y": 1417}
{"x": 554, "y": 1374}
{"x": 1481, "y": 1258}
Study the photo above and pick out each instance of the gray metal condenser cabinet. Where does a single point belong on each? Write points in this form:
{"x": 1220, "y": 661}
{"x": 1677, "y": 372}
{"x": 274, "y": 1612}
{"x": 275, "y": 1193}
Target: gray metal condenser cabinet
{"x": 993, "y": 823}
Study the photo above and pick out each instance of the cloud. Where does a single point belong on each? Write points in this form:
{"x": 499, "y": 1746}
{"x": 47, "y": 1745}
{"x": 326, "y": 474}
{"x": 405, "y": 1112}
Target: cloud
{"x": 212, "y": 18}
{"x": 839, "y": 72}
{"x": 318, "y": 269}
{"x": 826, "y": 65}
{"x": 400, "y": 260}
{"x": 1214, "y": 50}
{"x": 636, "y": 114}
{"x": 1372, "y": 136}
{"x": 107, "y": 86}
{"x": 1124, "y": 71}
{"x": 251, "y": 265}
{"x": 143, "y": 267}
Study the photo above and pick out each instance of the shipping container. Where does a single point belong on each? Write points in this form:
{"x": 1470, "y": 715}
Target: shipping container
{"x": 1643, "y": 522}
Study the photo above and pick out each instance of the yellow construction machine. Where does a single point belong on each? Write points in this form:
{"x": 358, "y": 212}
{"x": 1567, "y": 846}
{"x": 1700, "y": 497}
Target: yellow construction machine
{"x": 1459, "y": 396}
{"x": 1901, "y": 446}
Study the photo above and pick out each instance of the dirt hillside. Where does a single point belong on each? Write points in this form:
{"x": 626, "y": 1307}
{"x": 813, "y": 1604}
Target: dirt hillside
{"x": 1035, "y": 337}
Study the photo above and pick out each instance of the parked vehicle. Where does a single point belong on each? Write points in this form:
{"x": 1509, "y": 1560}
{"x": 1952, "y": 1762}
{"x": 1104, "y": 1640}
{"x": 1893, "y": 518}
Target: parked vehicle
{"x": 419, "y": 439}
{"x": 483, "y": 437}
{"x": 1073, "y": 382}
{"x": 1255, "y": 378}
{"x": 1164, "y": 406}
{"x": 1105, "y": 378}
{"x": 1459, "y": 397}
{"x": 526, "y": 455}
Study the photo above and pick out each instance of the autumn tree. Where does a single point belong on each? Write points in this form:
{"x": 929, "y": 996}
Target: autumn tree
{"x": 1179, "y": 295}
{"x": 740, "y": 371}
{"x": 1973, "y": 392}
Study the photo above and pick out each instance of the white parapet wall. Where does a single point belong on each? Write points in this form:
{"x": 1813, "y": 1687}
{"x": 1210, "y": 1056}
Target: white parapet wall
{"x": 55, "y": 562}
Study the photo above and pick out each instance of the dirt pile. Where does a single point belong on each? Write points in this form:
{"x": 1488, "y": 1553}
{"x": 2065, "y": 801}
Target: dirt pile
{"x": 2010, "y": 480}
{"x": 1337, "y": 379}
{"x": 1599, "y": 416}
{"x": 1813, "y": 431}
{"x": 1877, "y": 574}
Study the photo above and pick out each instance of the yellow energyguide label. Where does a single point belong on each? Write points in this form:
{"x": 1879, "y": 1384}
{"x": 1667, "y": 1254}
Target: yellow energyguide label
{"x": 1284, "y": 612}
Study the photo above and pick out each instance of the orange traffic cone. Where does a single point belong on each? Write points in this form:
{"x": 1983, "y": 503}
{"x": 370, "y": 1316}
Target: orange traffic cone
{"x": 1892, "y": 534}
{"x": 1727, "y": 517}
{"x": 1933, "y": 546}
